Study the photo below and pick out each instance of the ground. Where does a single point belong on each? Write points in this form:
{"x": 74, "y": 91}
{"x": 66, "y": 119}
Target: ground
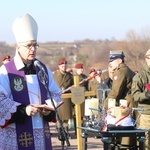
{"x": 92, "y": 142}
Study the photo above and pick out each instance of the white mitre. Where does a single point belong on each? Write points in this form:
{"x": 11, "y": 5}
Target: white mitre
{"x": 25, "y": 28}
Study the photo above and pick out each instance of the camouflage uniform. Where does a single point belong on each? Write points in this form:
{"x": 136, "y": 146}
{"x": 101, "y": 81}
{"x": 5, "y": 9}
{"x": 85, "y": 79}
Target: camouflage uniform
{"x": 121, "y": 85}
{"x": 138, "y": 93}
{"x": 64, "y": 81}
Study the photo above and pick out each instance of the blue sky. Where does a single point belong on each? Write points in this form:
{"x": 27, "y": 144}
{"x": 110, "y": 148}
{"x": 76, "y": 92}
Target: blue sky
{"x": 69, "y": 20}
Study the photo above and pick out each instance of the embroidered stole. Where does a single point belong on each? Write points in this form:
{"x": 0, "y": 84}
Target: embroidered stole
{"x": 25, "y": 138}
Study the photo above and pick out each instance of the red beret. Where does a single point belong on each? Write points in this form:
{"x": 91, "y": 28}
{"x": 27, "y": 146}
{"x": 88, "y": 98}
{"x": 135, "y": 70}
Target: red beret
{"x": 92, "y": 70}
{"x": 5, "y": 57}
{"x": 78, "y": 66}
{"x": 62, "y": 62}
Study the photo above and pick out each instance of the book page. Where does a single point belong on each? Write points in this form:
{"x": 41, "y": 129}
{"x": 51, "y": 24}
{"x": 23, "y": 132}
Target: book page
{"x": 48, "y": 106}
{"x": 49, "y": 103}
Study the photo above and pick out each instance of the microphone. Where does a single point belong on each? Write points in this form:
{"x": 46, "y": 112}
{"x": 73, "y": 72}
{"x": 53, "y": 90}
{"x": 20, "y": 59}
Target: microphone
{"x": 43, "y": 75}
{"x": 38, "y": 64}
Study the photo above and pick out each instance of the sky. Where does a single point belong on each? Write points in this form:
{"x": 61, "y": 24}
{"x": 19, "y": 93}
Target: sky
{"x": 70, "y": 20}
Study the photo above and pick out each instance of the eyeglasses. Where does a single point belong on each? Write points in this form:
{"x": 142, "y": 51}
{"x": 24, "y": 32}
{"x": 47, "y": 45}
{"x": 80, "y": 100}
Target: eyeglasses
{"x": 148, "y": 57}
{"x": 31, "y": 46}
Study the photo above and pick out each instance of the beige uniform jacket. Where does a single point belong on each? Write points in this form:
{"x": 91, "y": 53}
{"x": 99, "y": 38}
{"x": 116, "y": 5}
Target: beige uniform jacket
{"x": 121, "y": 86}
{"x": 64, "y": 81}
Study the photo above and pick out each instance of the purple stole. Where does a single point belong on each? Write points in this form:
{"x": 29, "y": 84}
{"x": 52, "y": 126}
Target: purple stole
{"x": 17, "y": 78}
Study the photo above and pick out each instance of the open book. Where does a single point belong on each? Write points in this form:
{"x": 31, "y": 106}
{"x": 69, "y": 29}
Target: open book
{"x": 49, "y": 106}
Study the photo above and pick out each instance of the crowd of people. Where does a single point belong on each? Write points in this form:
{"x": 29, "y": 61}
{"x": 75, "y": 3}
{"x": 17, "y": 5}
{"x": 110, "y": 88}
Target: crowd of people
{"x": 25, "y": 87}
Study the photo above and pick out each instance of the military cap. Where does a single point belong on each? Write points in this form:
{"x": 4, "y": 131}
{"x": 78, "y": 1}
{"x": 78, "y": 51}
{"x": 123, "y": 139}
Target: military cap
{"x": 5, "y": 57}
{"x": 79, "y": 65}
{"x": 62, "y": 62}
{"x": 115, "y": 55}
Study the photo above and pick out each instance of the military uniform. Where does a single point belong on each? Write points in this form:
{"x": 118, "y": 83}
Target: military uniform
{"x": 83, "y": 78}
{"x": 93, "y": 83}
{"x": 92, "y": 86}
{"x": 121, "y": 87}
{"x": 139, "y": 94}
{"x": 83, "y": 83}
{"x": 121, "y": 84}
{"x": 64, "y": 81}
{"x": 104, "y": 75}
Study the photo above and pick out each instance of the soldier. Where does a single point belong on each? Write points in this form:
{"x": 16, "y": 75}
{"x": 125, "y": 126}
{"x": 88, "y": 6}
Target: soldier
{"x": 82, "y": 77}
{"x": 83, "y": 82}
{"x": 95, "y": 81}
{"x": 64, "y": 80}
{"x": 121, "y": 84}
{"x": 141, "y": 95}
{"x": 122, "y": 79}
{"x": 90, "y": 85}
